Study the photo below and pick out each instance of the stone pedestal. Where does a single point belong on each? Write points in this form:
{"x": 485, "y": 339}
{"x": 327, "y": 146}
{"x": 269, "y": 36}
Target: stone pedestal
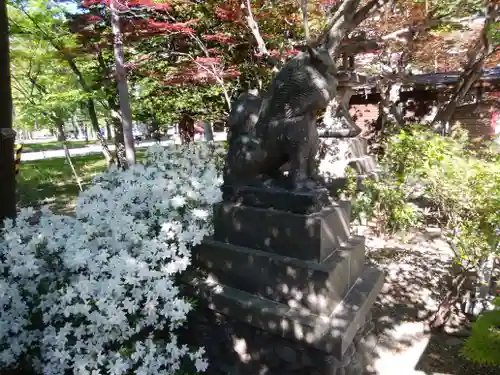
{"x": 282, "y": 291}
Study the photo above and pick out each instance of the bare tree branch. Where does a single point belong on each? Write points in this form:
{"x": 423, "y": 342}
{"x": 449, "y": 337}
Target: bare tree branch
{"x": 305, "y": 19}
{"x": 345, "y": 19}
{"x": 213, "y": 72}
{"x": 366, "y": 11}
{"x": 389, "y": 84}
{"x": 254, "y": 28}
{"x": 335, "y": 31}
{"x": 18, "y": 86}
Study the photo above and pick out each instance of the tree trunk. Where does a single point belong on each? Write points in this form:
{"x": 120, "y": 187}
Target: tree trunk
{"x": 90, "y": 132}
{"x": 74, "y": 124}
{"x": 155, "y": 130}
{"x": 120, "y": 149}
{"x": 90, "y": 107}
{"x": 95, "y": 127}
{"x": 85, "y": 129}
{"x": 226, "y": 93}
{"x": 89, "y": 103}
{"x": 61, "y": 135}
{"x": 389, "y": 102}
{"x": 208, "y": 131}
{"x": 468, "y": 78}
{"x": 108, "y": 131}
{"x": 111, "y": 91}
{"x": 476, "y": 58}
{"x": 7, "y": 134}
{"x": 122, "y": 85}
{"x": 445, "y": 309}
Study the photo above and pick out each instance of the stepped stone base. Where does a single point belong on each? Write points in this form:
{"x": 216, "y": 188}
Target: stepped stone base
{"x": 284, "y": 288}
{"x": 250, "y": 335}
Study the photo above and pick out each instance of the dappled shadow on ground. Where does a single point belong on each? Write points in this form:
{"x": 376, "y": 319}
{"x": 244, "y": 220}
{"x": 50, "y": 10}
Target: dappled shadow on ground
{"x": 415, "y": 283}
{"x": 410, "y": 293}
{"x": 59, "y": 198}
{"x": 52, "y": 182}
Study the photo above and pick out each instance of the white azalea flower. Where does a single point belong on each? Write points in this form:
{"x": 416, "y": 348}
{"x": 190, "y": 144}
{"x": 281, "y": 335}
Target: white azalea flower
{"x": 101, "y": 278}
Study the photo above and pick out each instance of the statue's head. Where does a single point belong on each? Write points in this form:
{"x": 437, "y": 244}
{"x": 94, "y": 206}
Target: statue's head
{"x": 321, "y": 60}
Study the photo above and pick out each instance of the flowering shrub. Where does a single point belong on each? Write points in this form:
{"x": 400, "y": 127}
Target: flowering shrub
{"x": 95, "y": 293}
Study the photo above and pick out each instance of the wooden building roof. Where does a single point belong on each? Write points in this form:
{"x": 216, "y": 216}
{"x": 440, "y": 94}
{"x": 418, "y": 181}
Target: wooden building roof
{"x": 490, "y": 76}
{"x": 441, "y": 81}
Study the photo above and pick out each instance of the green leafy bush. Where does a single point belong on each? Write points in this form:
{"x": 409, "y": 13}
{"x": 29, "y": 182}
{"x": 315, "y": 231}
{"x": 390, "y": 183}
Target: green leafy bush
{"x": 385, "y": 202}
{"x": 461, "y": 188}
{"x": 484, "y": 345}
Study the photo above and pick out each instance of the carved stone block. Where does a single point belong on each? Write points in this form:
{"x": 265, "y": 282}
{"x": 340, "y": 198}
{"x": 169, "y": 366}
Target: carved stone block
{"x": 307, "y": 237}
{"x": 278, "y": 198}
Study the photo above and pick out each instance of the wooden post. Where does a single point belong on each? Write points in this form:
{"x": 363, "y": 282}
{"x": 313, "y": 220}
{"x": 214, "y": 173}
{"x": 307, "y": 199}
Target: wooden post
{"x": 17, "y": 159}
{"x": 7, "y": 134}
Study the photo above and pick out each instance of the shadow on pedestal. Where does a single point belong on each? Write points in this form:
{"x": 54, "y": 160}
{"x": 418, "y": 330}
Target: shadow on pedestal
{"x": 284, "y": 291}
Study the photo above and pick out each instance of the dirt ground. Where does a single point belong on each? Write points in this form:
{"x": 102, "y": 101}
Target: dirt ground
{"x": 401, "y": 342}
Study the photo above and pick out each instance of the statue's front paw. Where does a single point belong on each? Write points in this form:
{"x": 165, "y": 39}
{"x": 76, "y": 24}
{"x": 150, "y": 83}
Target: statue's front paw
{"x": 305, "y": 185}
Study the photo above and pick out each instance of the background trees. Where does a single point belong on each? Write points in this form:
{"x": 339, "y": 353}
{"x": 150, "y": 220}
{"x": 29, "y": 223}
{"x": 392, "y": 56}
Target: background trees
{"x": 74, "y": 65}
{"x": 183, "y": 56}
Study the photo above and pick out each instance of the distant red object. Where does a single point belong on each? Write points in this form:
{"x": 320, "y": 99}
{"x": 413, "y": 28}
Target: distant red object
{"x": 186, "y": 128}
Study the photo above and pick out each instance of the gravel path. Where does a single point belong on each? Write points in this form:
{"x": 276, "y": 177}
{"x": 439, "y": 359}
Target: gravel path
{"x": 401, "y": 343}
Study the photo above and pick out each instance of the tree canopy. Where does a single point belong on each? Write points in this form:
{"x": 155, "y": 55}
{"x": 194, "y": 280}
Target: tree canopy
{"x": 195, "y": 57}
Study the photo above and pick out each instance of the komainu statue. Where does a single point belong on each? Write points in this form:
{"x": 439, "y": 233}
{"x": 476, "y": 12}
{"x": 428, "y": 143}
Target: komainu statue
{"x": 266, "y": 134}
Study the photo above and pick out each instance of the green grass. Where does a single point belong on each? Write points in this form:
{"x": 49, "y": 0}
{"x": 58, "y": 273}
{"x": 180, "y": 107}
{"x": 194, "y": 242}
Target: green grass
{"x": 51, "y": 181}
{"x": 48, "y": 146}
